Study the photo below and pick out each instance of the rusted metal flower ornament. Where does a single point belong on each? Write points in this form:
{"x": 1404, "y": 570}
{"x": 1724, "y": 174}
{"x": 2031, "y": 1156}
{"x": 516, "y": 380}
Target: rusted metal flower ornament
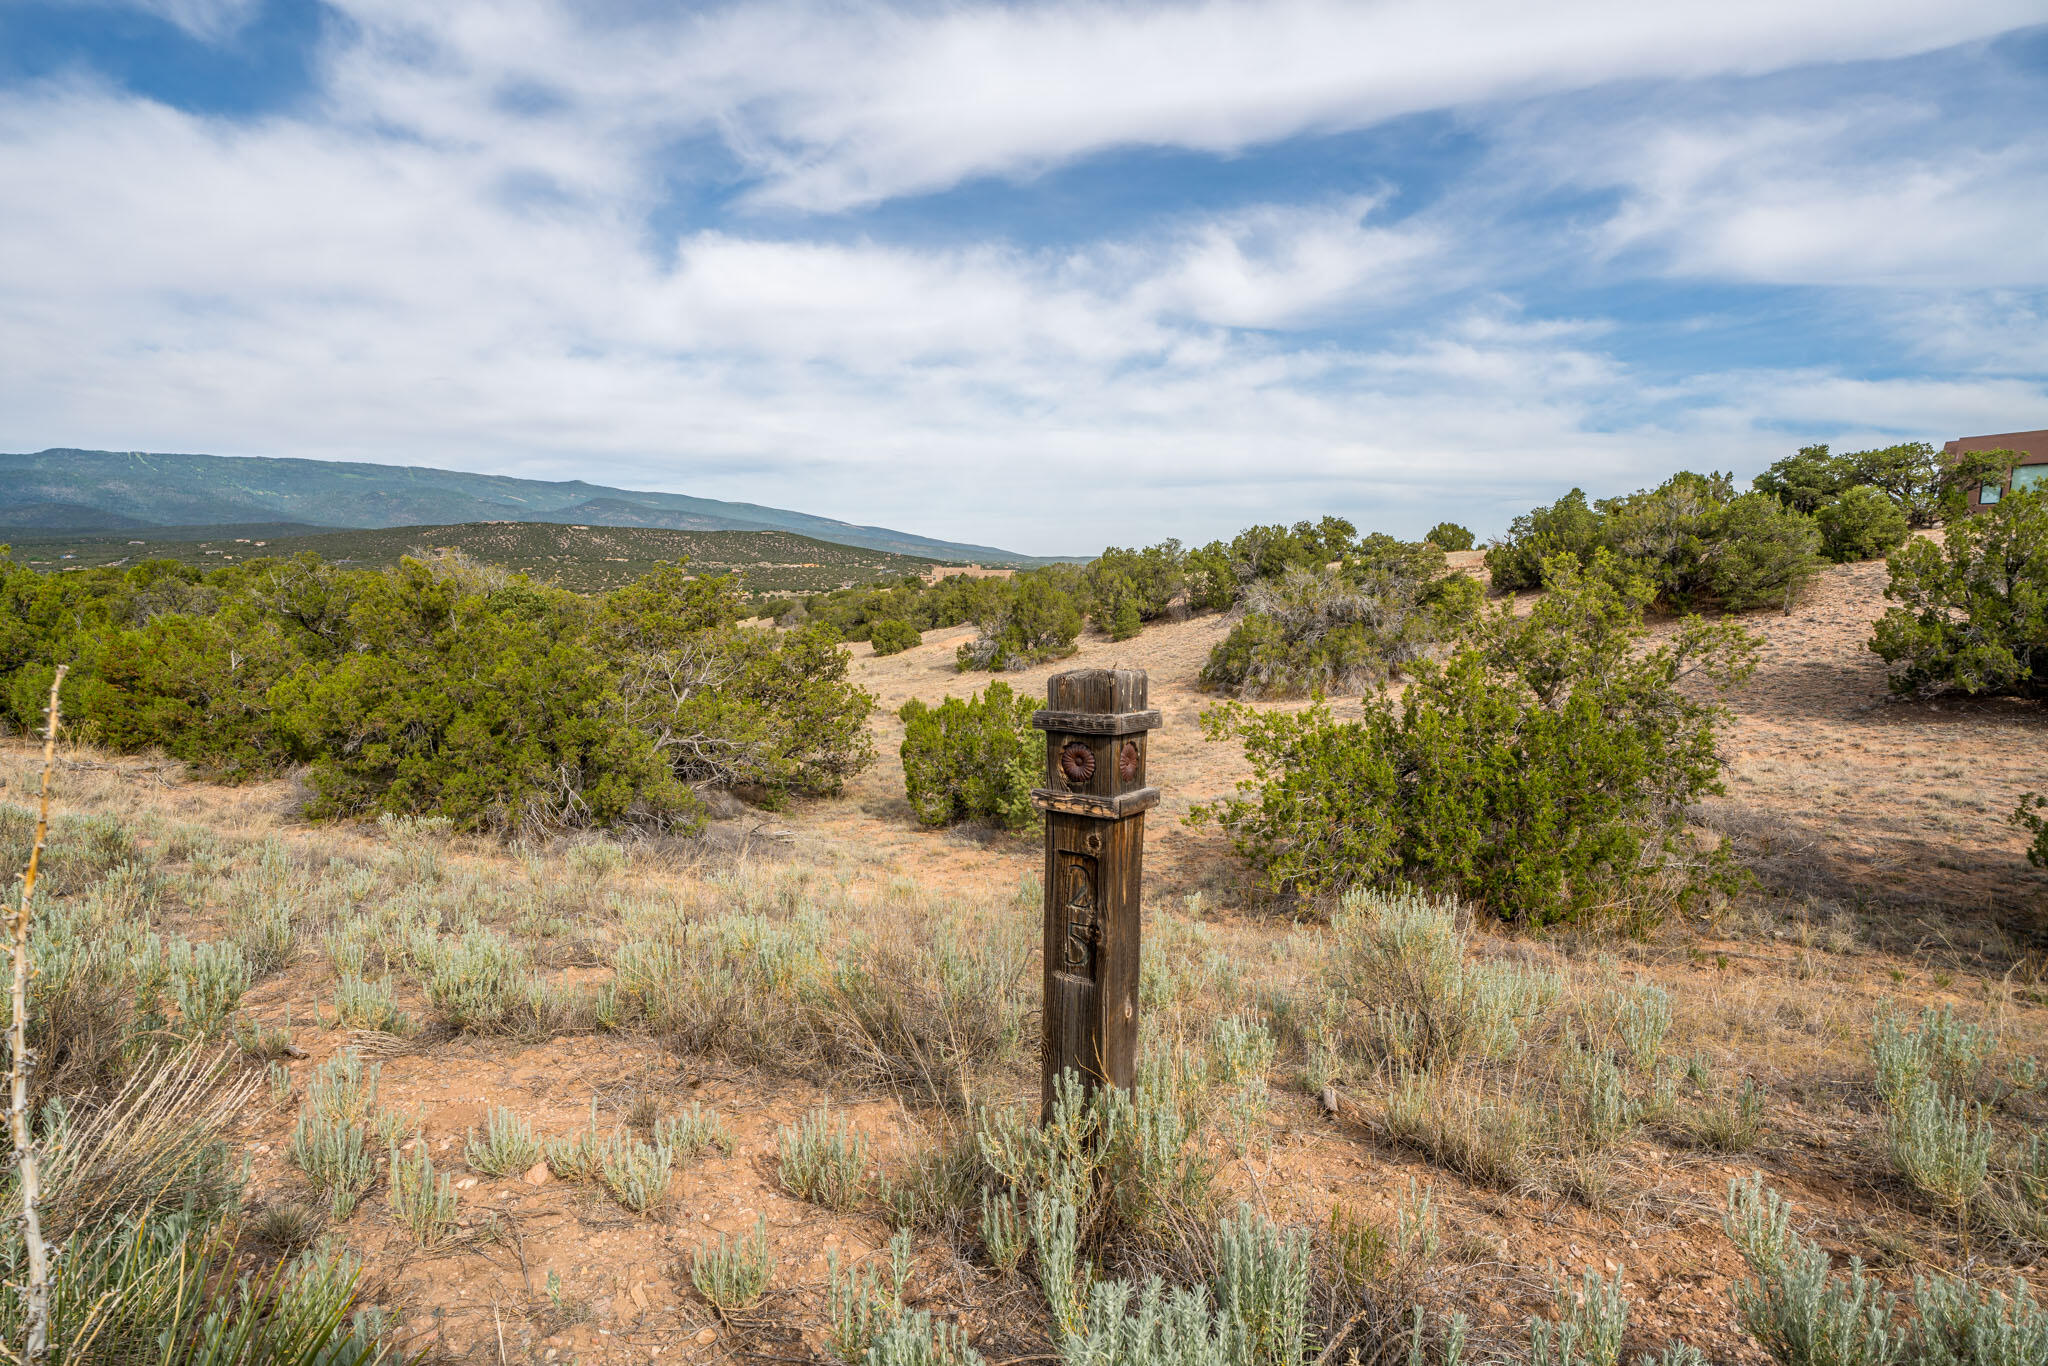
{"x": 1127, "y": 760}
{"x": 1077, "y": 762}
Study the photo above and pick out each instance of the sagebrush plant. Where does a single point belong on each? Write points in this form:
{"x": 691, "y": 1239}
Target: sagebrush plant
{"x": 207, "y": 982}
{"x": 421, "y": 1199}
{"x": 733, "y": 1274}
{"x": 506, "y": 1147}
{"x": 694, "y": 1132}
{"x": 1798, "y": 1310}
{"x": 823, "y": 1160}
{"x": 863, "y": 1303}
{"x": 577, "y": 1156}
{"x": 1942, "y": 1147}
{"x": 1543, "y": 771}
{"x": 1588, "y": 1328}
{"x": 1405, "y": 988}
{"x": 637, "y": 1174}
{"x": 369, "y": 1003}
{"x": 337, "y": 1157}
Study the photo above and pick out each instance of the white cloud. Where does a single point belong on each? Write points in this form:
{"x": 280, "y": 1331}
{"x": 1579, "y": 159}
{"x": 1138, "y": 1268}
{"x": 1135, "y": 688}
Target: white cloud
{"x": 447, "y": 261}
{"x": 1822, "y": 198}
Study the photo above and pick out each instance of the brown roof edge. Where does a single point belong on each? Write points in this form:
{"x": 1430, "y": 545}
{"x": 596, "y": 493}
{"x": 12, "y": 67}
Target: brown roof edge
{"x": 2032, "y": 446}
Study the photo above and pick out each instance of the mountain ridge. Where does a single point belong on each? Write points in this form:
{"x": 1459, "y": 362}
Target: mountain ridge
{"x": 126, "y": 488}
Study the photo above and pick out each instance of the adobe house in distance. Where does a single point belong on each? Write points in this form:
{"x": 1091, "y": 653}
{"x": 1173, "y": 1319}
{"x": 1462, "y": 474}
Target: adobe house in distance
{"x": 2031, "y": 472}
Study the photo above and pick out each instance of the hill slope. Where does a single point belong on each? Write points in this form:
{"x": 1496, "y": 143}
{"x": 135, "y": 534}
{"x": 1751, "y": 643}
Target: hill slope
{"x": 583, "y": 558}
{"x": 108, "y": 490}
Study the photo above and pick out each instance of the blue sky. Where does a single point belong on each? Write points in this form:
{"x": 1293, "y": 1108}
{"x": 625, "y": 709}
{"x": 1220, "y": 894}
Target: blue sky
{"x": 1048, "y": 276}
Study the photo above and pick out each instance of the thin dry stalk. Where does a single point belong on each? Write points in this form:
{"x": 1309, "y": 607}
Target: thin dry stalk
{"x": 36, "y": 1349}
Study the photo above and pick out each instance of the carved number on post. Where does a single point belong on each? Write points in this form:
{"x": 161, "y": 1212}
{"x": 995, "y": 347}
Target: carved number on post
{"x": 1084, "y": 922}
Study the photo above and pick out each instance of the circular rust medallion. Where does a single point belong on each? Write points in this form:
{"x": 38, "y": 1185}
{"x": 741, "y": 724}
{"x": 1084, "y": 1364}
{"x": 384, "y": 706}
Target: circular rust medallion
{"x": 1127, "y": 760}
{"x": 1077, "y": 761}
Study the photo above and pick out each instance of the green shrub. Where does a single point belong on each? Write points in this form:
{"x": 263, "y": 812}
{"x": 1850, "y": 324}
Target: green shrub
{"x": 1543, "y": 771}
{"x": 823, "y": 1162}
{"x": 972, "y": 760}
{"x": 1921, "y": 484}
{"x": 1342, "y": 630}
{"x": 1861, "y": 524}
{"x": 1766, "y": 555}
{"x": 637, "y": 1174}
{"x": 1567, "y": 527}
{"x": 506, "y": 1147}
{"x": 894, "y": 637}
{"x": 421, "y": 1199}
{"x": 1033, "y": 622}
{"x": 1794, "y": 1305}
{"x": 1692, "y": 538}
{"x": 2028, "y": 815}
{"x": 1808, "y": 480}
{"x": 733, "y": 1274}
{"x": 1972, "y": 613}
{"x": 1126, "y": 588}
{"x": 1451, "y": 536}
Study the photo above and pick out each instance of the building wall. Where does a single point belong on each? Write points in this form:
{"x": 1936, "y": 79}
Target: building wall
{"x": 2032, "y": 446}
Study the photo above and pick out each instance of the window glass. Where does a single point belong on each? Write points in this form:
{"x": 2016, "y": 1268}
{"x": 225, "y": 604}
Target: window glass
{"x": 1989, "y": 494}
{"x": 2030, "y": 477}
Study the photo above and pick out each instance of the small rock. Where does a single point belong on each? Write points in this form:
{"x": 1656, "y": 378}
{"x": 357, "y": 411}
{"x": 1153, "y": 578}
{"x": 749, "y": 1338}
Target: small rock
{"x": 706, "y": 1337}
{"x": 465, "y": 1183}
{"x": 537, "y": 1174}
{"x": 1329, "y": 1100}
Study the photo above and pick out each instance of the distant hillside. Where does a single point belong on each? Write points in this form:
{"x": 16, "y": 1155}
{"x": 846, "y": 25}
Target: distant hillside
{"x": 585, "y": 559}
{"x": 110, "y": 490}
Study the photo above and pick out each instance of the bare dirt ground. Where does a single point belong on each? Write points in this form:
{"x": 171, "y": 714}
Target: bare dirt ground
{"x": 1886, "y": 873}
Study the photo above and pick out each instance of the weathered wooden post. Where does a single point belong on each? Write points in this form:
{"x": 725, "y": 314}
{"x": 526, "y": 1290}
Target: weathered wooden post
{"x": 1094, "y": 799}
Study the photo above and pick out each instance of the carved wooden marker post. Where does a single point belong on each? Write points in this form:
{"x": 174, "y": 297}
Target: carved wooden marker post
{"x": 1094, "y": 799}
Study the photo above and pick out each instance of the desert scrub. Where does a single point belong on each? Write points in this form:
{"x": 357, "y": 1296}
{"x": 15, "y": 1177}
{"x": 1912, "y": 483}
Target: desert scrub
{"x": 507, "y": 1146}
{"x": 862, "y": 1304}
{"x": 894, "y": 637}
{"x": 1942, "y": 1148}
{"x": 1492, "y": 1140}
{"x": 928, "y": 1012}
{"x": 1800, "y": 1312}
{"x": 637, "y": 1174}
{"x": 972, "y": 760}
{"x": 1399, "y": 973}
{"x": 822, "y": 1161}
{"x": 207, "y": 982}
{"x": 694, "y": 1132}
{"x": 576, "y": 1157}
{"x": 336, "y": 1156}
{"x": 369, "y": 1003}
{"x": 1134, "y": 1167}
{"x": 1027, "y": 622}
{"x": 733, "y": 1274}
{"x": 1543, "y": 770}
{"x": 1728, "y": 1121}
{"x": 421, "y": 1199}
{"x": 1342, "y": 629}
{"x": 1968, "y": 616}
